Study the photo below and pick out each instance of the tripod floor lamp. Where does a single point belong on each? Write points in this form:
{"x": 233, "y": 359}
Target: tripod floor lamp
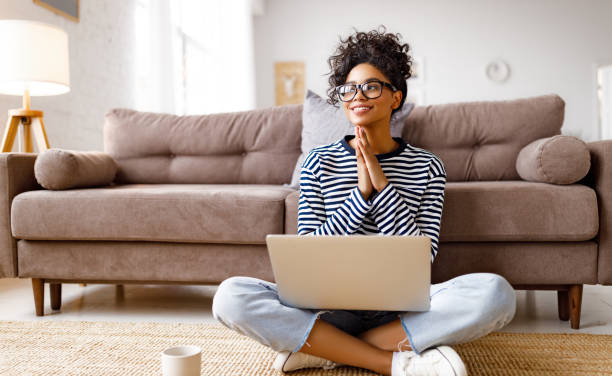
{"x": 36, "y": 64}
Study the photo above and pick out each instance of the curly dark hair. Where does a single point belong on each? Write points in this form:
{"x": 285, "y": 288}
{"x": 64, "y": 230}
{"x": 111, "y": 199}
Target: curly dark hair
{"x": 376, "y": 47}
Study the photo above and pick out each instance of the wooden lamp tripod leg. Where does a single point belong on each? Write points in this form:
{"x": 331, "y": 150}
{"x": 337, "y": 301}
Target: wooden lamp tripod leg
{"x": 26, "y": 136}
{"x": 31, "y": 125}
{"x": 39, "y": 133}
{"x": 12, "y": 125}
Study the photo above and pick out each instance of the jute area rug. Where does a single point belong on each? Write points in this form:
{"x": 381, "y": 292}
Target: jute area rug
{"x": 108, "y": 348}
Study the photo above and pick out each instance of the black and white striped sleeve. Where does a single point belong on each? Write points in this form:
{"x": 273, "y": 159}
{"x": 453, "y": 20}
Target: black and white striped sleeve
{"x": 393, "y": 216}
{"x": 312, "y": 220}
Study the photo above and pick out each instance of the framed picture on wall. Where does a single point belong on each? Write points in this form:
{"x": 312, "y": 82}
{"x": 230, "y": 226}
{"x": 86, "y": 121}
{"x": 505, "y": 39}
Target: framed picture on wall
{"x": 289, "y": 82}
{"x": 64, "y": 8}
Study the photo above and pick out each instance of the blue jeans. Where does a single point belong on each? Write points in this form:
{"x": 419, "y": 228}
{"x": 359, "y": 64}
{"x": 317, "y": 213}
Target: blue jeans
{"x": 462, "y": 309}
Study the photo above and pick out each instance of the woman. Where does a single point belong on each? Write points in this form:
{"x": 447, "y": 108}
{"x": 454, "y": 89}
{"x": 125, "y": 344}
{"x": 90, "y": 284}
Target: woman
{"x": 370, "y": 183}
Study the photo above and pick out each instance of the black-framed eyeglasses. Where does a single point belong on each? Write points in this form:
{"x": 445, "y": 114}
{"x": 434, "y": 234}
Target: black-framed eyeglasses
{"x": 371, "y": 90}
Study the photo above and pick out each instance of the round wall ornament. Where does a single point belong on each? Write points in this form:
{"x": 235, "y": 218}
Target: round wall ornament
{"x": 498, "y": 71}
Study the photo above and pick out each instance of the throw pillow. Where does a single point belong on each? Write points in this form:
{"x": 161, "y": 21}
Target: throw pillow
{"x": 323, "y": 124}
{"x": 63, "y": 169}
{"x": 557, "y": 160}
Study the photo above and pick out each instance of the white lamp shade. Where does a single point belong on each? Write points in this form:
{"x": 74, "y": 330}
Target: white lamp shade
{"x": 34, "y": 58}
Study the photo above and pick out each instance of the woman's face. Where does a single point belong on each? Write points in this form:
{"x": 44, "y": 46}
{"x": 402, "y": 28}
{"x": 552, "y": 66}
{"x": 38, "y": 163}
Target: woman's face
{"x": 363, "y": 111}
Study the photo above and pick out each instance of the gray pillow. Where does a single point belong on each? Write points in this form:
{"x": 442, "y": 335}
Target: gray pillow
{"x": 323, "y": 124}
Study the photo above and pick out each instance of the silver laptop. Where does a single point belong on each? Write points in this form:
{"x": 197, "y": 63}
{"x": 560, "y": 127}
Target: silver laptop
{"x": 359, "y": 272}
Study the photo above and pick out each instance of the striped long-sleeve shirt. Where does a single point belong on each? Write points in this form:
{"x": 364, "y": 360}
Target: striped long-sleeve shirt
{"x": 411, "y": 204}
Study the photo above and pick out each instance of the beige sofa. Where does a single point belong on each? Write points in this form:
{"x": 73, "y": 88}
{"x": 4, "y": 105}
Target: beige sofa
{"x": 195, "y": 196}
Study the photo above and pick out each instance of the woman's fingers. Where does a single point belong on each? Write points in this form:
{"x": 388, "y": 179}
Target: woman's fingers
{"x": 363, "y": 138}
{"x": 376, "y": 174}
{"x": 358, "y": 153}
{"x": 370, "y": 172}
{"x": 361, "y": 160}
{"x": 364, "y": 183}
{"x": 364, "y": 142}
{"x": 366, "y": 155}
{"x": 369, "y": 164}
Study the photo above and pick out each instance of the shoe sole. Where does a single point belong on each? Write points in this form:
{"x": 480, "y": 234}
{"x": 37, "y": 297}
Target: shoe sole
{"x": 280, "y": 360}
{"x": 454, "y": 359}
{"x": 283, "y": 357}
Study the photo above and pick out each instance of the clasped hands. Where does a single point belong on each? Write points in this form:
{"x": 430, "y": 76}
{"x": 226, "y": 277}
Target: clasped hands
{"x": 369, "y": 173}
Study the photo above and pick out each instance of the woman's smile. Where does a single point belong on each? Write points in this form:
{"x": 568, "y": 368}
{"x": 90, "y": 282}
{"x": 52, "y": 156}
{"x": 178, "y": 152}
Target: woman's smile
{"x": 360, "y": 109}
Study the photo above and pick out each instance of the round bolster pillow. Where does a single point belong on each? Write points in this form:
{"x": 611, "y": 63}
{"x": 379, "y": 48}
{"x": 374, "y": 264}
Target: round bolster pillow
{"x": 557, "y": 160}
{"x": 63, "y": 169}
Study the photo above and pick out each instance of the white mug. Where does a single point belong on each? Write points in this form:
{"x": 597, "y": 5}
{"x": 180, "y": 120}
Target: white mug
{"x": 181, "y": 361}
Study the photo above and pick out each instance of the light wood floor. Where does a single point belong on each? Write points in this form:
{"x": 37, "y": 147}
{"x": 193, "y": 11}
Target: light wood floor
{"x": 536, "y": 310}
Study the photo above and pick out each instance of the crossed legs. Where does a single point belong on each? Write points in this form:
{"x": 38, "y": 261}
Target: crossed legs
{"x": 462, "y": 309}
{"x": 373, "y": 349}
{"x": 387, "y": 336}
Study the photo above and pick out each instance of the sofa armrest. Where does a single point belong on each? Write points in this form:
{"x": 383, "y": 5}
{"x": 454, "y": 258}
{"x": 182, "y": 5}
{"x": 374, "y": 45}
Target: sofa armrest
{"x": 600, "y": 179}
{"x": 16, "y": 176}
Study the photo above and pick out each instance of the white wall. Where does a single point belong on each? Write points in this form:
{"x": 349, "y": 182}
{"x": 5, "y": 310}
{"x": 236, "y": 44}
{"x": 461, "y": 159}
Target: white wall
{"x": 101, "y": 71}
{"x": 550, "y": 45}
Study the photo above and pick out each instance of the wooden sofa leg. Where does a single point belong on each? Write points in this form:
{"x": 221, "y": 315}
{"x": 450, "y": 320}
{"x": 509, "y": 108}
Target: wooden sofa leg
{"x": 38, "y": 287}
{"x": 563, "y": 304}
{"x": 56, "y": 295}
{"x": 575, "y": 304}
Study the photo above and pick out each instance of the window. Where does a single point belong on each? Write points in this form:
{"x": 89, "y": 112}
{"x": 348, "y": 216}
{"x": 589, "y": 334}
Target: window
{"x": 604, "y": 96}
{"x": 194, "y": 56}
{"x": 213, "y": 56}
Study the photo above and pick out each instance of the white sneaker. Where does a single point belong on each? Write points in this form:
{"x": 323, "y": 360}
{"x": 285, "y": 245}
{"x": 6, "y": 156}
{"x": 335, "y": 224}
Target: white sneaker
{"x": 290, "y": 361}
{"x": 439, "y": 361}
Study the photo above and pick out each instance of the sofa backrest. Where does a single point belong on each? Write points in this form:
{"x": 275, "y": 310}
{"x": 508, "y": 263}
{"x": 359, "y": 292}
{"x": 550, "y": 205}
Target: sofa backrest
{"x": 249, "y": 147}
{"x": 475, "y": 140}
{"x": 481, "y": 140}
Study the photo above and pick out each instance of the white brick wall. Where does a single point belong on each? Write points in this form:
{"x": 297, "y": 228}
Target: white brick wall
{"x": 101, "y": 71}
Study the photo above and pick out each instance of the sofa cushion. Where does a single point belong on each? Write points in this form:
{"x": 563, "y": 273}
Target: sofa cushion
{"x": 240, "y": 214}
{"x": 556, "y": 160}
{"x": 480, "y": 141}
{"x": 62, "y": 169}
{"x": 518, "y": 211}
{"x": 507, "y": 211}
{"x": 248, "y": 147}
